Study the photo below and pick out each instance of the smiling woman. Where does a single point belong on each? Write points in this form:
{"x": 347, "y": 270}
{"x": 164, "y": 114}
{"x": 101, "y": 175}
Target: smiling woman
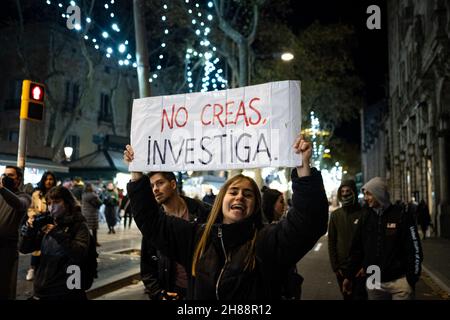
{"x": 234, "y": 255}
{"x": 239, "y": 199}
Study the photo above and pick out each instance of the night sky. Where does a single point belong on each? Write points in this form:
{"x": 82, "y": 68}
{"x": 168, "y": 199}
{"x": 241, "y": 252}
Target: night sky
{"x": 371, "y": 53}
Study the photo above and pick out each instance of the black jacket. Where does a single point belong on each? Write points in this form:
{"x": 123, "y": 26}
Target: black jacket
{"x": 278, "y": 246}
{"x": 157, "y": 270}
{"x": 390, "y": 241}
{"x": 67, "y": 244}
{"x": 341, "y": 228}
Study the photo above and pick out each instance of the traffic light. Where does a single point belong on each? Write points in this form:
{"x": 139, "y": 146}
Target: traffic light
{"x": 32, "y": 106}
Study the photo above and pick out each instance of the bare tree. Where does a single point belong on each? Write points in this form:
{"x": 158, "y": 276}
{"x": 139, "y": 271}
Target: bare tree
{"x": 86, "y": 87}
{"x": 229, "y": 13}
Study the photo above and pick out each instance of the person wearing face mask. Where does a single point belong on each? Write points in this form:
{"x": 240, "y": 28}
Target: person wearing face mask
{"x": 13, "y": 207}
{"x": 234, "y": 255}
{"x": 341, "y": 228}
{"x": 63, "y": 242}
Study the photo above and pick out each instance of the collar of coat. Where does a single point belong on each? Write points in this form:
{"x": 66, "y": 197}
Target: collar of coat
{"x": 234, "y": 234}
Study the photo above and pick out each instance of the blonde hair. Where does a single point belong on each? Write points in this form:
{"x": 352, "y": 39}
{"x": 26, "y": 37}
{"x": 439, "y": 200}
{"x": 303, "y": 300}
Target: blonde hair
{"x": 216, "y": 212}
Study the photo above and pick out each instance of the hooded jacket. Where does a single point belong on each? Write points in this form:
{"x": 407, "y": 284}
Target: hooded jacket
{"x": 342, "y": 227}
{"x": 67, "y": 244}
{"x": 220, "y": 271}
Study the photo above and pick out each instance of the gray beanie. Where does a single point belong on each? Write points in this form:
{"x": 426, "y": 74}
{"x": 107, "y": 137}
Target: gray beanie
{"x": 378, "y": 188}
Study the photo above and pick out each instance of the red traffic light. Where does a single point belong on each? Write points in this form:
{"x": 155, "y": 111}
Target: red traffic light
{"x": 32, "y": 102}
{"x": 36, "y": 92}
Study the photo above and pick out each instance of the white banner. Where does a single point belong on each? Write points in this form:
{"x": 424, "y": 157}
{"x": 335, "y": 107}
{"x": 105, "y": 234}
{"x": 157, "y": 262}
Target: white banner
{"x": 249, "y": 127}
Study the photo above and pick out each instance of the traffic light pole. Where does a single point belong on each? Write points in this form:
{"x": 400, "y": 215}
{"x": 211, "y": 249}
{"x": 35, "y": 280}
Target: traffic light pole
{"x": 22, "y": 144}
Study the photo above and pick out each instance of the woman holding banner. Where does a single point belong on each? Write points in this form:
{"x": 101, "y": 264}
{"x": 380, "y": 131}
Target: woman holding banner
{"x": 235, "y": 256}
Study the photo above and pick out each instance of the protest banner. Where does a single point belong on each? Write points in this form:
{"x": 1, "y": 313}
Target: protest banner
{"x": 248, "y": 127}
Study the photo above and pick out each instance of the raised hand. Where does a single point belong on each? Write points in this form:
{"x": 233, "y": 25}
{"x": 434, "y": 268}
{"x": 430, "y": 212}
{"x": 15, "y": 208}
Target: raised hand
{"x": 303, "y": 147}
{"x": 128, "y": 154}
{"x": 128, "y": 157}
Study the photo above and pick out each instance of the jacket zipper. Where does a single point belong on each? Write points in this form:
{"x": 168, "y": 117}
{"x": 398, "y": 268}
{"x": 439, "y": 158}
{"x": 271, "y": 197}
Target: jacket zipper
{"x": 226, "y": 261}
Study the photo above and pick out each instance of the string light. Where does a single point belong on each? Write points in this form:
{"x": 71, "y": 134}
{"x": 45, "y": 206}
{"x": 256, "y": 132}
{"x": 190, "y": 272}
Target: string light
{"x": 206, "y": 51}
{"x": 163, "y": 45}
{"x": 318, "y": 149}
{"x": 110, "y": 41}
{"x": 110, "y": 46}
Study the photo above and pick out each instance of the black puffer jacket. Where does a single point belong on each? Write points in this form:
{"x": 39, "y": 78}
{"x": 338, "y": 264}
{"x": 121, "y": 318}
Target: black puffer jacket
{"x": 67, "y": 244}
{"x": 157, "y": 270}
{"x": 278, "y": 246}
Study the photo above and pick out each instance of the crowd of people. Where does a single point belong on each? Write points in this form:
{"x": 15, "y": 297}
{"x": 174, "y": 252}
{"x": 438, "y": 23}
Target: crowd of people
{"x": 56, "y": 222}
{"x": 243, "y": 243}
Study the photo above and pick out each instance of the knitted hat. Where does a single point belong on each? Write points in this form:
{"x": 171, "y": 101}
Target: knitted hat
{"x": 378, "y": 188}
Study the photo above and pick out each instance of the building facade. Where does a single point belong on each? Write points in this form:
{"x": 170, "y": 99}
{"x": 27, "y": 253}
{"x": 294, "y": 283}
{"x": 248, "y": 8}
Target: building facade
{"x": 412, "y": 144}
{"x": 88, "y": 96}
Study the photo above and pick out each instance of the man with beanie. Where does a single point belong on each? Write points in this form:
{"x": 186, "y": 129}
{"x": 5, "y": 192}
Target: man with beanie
{"x": 341, "y": 229}
{"x": 386, "y": 240}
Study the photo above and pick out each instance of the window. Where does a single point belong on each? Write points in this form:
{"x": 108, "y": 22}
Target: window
{"x": 412, "y": 128}
{"x": 423, "y": 112}
{"x": 75, "y": 92}
{"x": 74, "y": 142}
{"x": 13, "y": 136}
{"x": 71, "y": 95}
{"x": 403, "y": 137}
{"x": 105, "y": 108}
{"x": 12, "y": 101}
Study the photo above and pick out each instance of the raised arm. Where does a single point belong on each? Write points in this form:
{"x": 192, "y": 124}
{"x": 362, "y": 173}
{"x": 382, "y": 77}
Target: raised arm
{"x": 171, "y": 235}
{"x": 19, "y": 203}
{"x": 307, "y": 221}
{"x": 128, "y": 156}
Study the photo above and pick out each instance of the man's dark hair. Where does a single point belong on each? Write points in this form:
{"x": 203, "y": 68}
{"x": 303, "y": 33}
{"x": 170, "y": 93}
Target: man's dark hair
{"x": 19, "y": 172}
{"x": 168, "y": 175}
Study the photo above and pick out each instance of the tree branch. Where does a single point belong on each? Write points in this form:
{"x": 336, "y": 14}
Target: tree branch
{"x": 252, "y": 34}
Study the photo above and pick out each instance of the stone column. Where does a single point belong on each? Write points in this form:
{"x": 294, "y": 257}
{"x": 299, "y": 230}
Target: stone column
{"x": 423, "y": 178}
{"x": 402, "y": 181}
{"x": 444, "y": 209}
{"x": 413, "y": 175}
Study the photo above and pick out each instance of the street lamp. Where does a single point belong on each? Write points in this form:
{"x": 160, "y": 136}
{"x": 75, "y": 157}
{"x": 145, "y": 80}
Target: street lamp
{"x": 68, "y": 151}
{"x": 287, "y": 56}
